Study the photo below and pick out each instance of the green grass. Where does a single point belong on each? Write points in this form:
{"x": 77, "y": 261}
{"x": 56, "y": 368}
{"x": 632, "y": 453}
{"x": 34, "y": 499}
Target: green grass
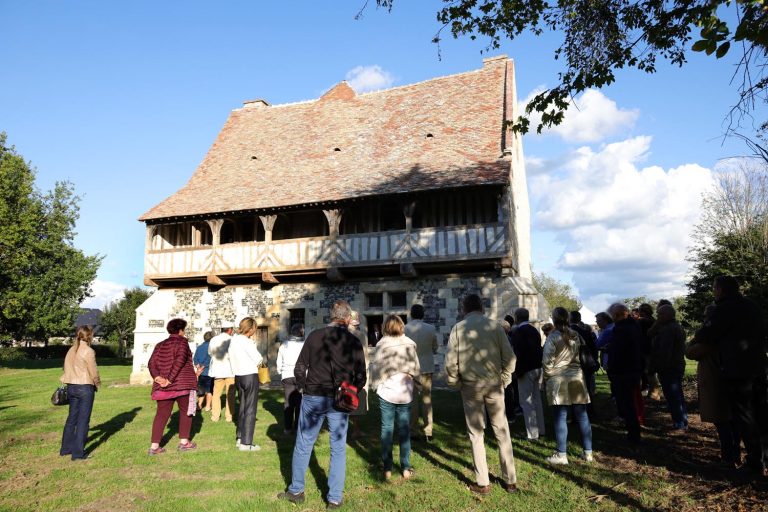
{"x": 121, "y": 476}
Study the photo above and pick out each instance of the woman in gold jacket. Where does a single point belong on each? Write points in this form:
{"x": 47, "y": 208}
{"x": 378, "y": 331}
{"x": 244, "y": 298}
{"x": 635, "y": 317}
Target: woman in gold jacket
{"x": 82, "y": 379}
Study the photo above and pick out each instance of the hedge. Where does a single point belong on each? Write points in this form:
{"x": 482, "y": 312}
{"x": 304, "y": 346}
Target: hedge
{"x": 51, "y": 352}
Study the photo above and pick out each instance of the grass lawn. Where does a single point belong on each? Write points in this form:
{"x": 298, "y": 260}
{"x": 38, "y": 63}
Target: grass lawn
{"x": 121, "y": 476}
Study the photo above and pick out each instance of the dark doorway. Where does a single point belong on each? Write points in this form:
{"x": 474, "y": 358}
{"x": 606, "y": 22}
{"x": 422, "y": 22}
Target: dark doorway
{"x": 373, "y": 324}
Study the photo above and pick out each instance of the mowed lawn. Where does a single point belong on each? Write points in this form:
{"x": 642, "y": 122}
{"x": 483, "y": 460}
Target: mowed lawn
{"x": 121, "y": 476}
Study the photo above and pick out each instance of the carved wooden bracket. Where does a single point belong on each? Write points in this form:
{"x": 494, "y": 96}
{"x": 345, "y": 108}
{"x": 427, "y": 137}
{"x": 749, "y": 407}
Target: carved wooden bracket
{"x": 268, "y": 221}
{"x": 408, "y": 270}
{"x": 334, "y": 220}
{"x": 268, "y": 277}
{"x": 215, "y": 225}
{"x": 214, "y": 280}
{"x": 334, "y": 274}
{"x": 408, "y": 209}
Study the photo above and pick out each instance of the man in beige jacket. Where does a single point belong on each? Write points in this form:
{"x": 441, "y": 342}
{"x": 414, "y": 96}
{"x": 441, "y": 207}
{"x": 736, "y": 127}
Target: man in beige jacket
{"x": 479, "y": 363}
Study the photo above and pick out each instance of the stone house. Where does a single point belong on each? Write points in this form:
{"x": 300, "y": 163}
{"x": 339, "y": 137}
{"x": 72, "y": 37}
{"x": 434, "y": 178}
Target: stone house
{"x": 414, "y": 194}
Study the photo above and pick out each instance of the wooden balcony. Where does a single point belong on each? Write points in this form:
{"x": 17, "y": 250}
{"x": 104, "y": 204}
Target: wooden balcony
{"x": 473, "y": 242}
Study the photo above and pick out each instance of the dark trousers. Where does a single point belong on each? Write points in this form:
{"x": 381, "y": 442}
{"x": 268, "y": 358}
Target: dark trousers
{"x": 624, "y": 389}
{"x": 248, "y": 393}
{"x": 163, "y": 414}
{"x": 672, "y": 385}
{"x": 292, "y": 405}
{"x": 589, "y": 378}
{"x": 750, "y": 412}
{"x": 511, "y": 400}
{"x": 78, "y": 421}
{"x": 730, "y": 441}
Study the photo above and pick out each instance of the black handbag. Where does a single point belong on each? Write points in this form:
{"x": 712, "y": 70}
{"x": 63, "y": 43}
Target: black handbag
{"x": 587, "y": 360}
{"x": 59, "y": 397}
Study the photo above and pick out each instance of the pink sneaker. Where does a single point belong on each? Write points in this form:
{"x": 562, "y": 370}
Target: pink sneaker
{"x": 156, "y": 451}
{"x": 187, "y": 447}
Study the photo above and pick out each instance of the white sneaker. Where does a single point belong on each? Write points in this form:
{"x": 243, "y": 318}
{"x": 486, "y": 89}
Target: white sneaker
{"x": 249, "y": 448}
{"x": 558, "y": 458}
{"x": 587, "y": 456}
{"x": 237, "y": 443}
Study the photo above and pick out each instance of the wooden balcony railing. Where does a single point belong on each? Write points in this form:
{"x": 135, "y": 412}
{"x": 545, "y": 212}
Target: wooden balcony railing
{"x": 420, "y": 245}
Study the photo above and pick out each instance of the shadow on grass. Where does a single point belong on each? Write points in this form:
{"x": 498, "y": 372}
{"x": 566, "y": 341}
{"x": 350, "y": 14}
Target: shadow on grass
{"x": 100, "y": 434}
{"x": 285, "y": 443}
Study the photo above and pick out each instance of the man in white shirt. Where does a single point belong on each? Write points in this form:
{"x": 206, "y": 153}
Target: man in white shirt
{"x": 221, "y": 371}
{"x": 425, "y": 336}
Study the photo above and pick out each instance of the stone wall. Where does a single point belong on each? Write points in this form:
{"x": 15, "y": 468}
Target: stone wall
{"x": 206, "y": 310}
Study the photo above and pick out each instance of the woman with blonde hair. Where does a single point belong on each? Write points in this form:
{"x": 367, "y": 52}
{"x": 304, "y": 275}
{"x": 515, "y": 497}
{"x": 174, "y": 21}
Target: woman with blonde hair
{"x": 245, "y": 360}
{"x": 566, "y": 385}
{"x": 82, "y": 379}
{"x": 394, "y": 371}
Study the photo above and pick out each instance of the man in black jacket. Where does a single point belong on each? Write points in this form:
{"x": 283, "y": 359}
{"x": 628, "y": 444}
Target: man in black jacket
{"x": 627, "y": 363}
{"x": 737, "y": 328}
{"x": 526, "y": 342}
{"x": 330, "y": 355}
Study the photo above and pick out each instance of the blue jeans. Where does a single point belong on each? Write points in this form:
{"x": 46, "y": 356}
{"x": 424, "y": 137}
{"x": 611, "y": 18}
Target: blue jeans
{"x": 561, "y": 427}
{"x": 76, "y": 428}
{"x": 391, "y": 414}
{"x": 672, "y": 385}
{"x": 314, "y": 409}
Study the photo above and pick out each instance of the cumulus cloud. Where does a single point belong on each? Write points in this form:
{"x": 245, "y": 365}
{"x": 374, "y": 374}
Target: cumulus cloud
{"x": 591, "y": 117}
{"x": 625, "y": 229}
{"x": 369, "y": 78}
{"x": 104, "y": 292}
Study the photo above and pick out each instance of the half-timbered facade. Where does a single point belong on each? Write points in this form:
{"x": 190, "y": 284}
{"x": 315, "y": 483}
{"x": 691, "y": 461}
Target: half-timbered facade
{"x": 411, "y": 194}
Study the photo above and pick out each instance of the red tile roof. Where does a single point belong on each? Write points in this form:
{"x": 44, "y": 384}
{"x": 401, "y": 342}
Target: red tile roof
{"x": 444, "y": 132}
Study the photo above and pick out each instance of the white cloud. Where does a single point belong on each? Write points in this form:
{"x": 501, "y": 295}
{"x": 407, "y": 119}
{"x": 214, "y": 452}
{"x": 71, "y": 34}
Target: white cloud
{"x": 625, "y": 229}
{"x": 104, "y": 292}
{"x": 369, "y": 78}
{"x": 591, "y": 117}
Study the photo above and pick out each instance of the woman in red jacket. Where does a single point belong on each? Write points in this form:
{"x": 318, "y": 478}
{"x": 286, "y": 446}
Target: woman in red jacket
{"x": 174, "y": 381}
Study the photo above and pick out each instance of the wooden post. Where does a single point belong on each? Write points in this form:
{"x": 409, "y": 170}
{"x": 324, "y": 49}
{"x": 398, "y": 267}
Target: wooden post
{"x": 334, "y": 220}
{"x": 268, "y": 221}
{"x": 408, "y": 209}
{"x": 216, "y": 225}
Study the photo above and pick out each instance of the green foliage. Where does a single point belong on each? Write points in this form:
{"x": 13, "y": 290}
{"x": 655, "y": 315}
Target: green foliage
{"x": 43, "y": 277}
{"x": 732, "y": 239}
{"x": 58, "y": 351}
{"x": 119, "y": 318}
{"x": 602, "y": 37}
{"x": 557, "y": 293}
{"x": 727, "y": 254}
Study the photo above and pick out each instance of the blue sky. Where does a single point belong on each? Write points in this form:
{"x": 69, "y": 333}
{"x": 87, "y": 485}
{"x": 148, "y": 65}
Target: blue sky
{"x": 124, "y": 100}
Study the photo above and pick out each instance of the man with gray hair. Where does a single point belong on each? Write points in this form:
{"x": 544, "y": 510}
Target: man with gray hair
{"x": 627, "y": 363}
{"x": 479, "y": 363}
{"x": 330, "y": 355}
{"x": 526, "y": 342}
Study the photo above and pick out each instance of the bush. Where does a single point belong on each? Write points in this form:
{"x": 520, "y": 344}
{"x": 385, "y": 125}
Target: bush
{"x": 51, "y": 352}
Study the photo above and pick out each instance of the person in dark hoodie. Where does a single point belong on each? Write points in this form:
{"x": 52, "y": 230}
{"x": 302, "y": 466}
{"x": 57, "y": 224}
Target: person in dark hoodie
{"x": 626, "y": 365}
{"x": 330, "y": 356}
{"x": 737, "y": 328}
{"x": 668, "y": 361}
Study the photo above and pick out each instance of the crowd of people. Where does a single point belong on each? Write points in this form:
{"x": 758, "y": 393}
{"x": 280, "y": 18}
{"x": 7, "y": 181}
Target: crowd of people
{"x": 499, "y": 370}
